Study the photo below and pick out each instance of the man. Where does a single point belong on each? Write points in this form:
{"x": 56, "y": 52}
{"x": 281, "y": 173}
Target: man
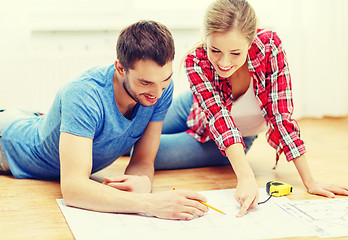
{"x": 94, "y": 120}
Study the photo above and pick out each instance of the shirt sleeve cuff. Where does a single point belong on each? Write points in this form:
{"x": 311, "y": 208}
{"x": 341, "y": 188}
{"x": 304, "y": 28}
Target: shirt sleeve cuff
{"x": 222, "y": 145}
{"x": 294, "y": 150}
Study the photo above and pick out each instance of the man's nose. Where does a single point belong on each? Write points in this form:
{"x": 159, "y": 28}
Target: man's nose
{"x": 157, "y": 91}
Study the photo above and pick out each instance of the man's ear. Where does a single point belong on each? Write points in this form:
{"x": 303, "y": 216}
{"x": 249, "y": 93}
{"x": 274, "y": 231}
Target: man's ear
{"x": 119, "y": 68}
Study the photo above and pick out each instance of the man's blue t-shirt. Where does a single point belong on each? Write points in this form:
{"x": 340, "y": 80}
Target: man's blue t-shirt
{"x": 85, "y": 107}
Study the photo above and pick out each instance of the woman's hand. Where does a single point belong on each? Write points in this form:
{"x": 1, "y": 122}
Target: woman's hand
{"x": 247, "y": 192}
{"x": 326, "y": 190}
{"x": 130, "y": 183}
{"x": 247, "y": 195}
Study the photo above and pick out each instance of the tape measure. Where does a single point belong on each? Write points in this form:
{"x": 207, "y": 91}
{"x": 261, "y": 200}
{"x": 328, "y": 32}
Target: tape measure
{"x": 277, "y": 189}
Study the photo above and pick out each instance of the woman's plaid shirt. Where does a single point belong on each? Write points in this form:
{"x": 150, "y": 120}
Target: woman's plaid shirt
{"x": 210, "y": 113}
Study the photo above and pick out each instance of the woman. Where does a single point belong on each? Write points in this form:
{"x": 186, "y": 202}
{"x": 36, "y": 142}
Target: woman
{"x": 241, "y": 84}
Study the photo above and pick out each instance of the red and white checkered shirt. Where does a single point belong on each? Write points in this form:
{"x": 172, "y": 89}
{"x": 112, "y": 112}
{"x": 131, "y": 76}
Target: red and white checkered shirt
{"x": 210, "y": 116}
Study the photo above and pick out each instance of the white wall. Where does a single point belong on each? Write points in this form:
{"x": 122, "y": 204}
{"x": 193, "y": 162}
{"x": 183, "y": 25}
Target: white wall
{"x": 43, "y": 43}
{"x": 314, "y": 33}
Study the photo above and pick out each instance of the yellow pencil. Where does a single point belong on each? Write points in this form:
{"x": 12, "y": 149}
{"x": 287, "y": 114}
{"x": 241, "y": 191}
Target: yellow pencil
{"x": 206, "y": 204}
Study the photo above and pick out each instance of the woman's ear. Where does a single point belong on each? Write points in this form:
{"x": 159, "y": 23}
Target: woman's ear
{"x": 119, "y": 68}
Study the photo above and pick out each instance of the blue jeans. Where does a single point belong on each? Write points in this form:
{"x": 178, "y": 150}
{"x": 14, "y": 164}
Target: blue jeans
{"x": 178, "y": 149}
{"x": 7, "y": 117}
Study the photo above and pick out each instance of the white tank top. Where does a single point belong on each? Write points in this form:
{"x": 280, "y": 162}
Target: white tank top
{"x": 247, "y": 115}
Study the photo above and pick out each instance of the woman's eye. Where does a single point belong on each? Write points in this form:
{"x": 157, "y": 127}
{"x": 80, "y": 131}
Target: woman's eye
{"x": 215, "y": 51}
{"x": 236, "y": 54}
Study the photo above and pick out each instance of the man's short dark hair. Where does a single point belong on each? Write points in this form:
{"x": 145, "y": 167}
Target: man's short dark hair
{"x": 145, "y": 40}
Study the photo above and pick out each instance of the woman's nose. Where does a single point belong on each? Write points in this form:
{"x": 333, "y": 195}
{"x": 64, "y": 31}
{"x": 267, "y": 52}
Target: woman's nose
{"x": 224, "y": 61}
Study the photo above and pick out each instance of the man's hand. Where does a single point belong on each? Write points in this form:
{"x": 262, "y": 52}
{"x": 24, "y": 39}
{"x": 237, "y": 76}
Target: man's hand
{"x": 130, "y": 183}
{"x": 178, "y": 204}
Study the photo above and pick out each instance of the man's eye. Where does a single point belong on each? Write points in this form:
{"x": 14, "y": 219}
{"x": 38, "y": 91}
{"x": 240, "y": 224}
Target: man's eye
{"x": 144, "y": 83}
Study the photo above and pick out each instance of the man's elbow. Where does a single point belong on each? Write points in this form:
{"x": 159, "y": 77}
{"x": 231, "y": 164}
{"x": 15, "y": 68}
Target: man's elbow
{"x": 70, "y": 193}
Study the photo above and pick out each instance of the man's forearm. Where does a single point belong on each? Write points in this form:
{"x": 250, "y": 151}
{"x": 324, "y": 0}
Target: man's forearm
{"x": 140, "y": 169}
{"x": 92, "y": 195}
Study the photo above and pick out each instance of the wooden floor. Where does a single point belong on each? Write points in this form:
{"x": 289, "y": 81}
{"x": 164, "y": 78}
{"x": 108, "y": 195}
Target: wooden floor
{"x": 28, "y": 208}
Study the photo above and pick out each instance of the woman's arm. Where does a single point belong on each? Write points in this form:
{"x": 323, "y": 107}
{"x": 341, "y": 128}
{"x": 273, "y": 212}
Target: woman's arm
{"x": 285, "y": 132}
{"x": 218, "y": 123}
{"x": 313, "y": 187}
{"x": 247, "y": 193}
{"x": 221, "y": 126}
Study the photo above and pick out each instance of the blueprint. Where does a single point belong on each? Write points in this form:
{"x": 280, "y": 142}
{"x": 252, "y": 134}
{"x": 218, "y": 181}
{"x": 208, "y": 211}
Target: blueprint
{"x": 327, "y": 218}
{"x": 267, "y": 221}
